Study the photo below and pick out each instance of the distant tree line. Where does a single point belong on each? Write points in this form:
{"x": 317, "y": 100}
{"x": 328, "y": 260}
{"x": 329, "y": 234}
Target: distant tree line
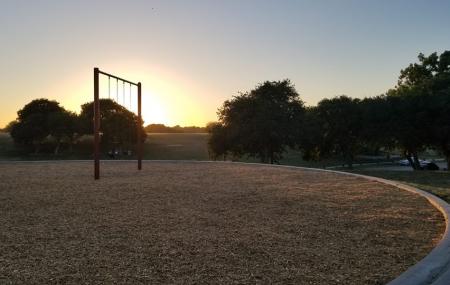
{"x": 161, "y": 128}
{"x": 45, "y": 121}
{"x": 412, "y": 116}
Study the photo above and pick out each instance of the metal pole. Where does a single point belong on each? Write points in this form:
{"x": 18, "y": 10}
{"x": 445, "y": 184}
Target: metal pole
{"x": 139, "y": 139}
{"x": 96, "y": 126}
{"x": 109, "y": 87}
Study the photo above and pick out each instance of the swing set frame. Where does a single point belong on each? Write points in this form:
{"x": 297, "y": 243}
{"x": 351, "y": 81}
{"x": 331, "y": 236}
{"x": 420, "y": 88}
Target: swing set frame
{"x": 97, "y": 73}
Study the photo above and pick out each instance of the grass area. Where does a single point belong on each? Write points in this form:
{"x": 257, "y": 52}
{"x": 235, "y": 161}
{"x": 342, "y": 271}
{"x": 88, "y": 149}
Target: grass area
{"x": 436, "y": 182}
{"x": 188, "y": 146}
{"x": 205, "y": 223}
{"x": 164, "y": 146}
{"x": 9, "y": 151}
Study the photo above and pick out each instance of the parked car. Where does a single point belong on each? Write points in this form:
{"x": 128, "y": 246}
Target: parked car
{"x": 405, "y": 162}
{"x": 431, "y": 166}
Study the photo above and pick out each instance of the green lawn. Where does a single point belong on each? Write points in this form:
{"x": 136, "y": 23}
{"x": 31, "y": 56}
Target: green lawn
{"x": 7, "y": 149}
{"x": 158, "y": 146}
{"x": 176, "y": 146}
{"x": 436, "y": 182}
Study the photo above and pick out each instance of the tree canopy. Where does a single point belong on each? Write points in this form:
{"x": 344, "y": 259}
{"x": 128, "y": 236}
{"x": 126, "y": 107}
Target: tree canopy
{"x": 260, "y": 123}
{"x": 340, "y": 125}
{"x": 411, "y": 117}
{"x": 118, "y": 125}
{"x": 35, "y": 121}
{"x": 43, "y": 120}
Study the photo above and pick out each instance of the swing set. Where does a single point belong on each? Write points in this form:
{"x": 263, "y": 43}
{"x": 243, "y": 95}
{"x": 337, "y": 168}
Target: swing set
{"x": 97, "y": 73}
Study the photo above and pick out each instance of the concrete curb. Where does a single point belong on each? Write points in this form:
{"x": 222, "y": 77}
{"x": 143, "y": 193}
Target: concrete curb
{"x": 433, "y": 269}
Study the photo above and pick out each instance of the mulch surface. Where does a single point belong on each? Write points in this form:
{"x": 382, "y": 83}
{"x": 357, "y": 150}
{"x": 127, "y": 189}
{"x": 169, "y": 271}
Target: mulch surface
{"x": 205, "y": 223}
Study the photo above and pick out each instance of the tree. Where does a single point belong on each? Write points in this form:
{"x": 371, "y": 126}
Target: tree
{"x": 439, "y": 87}
{"x": 409, "y": 122}
{"x": 63, "y": 125}
{"x": 161, "y": 128}
{"x": 375, "y": 118}
{"x": 341, "y": 126}
{"x": 262, "y": 122}
{"x": 428, "y": 84}
{"x": 440, "y": 127}
{"x": 310, "y": 139}
{"x": 118, "y": 125}
{"x": 32, "y": 125}
{"x": 9, "y": 126}
{"x": 218, "y": 145}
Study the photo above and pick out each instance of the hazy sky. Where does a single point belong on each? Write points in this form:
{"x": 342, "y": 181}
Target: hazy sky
{"x": 192, "y": 55}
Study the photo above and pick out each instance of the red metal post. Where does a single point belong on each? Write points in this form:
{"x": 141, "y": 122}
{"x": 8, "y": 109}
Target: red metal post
{"x": 139, "y": 138}
{"x": 96, "y": 125}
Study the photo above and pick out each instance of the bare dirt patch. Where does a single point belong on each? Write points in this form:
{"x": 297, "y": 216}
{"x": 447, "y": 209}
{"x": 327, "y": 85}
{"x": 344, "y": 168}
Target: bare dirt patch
{"x": 205, "y": 223}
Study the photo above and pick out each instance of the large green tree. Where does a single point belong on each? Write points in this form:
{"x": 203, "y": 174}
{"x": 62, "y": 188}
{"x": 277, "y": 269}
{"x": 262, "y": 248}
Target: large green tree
{"x": 440, "y": 128}
{"x": 63, "y": 125}
{"x": 425, "y": 89}
{"x": 375, "y": 133}
{"x": 310, "y": 140}
{"x": 409, "y": 122}
{"x": 118, "y": 125}
{"x": 262, "y": 123}
{"x": 218, "y": 142}
{"x": 340, "y": 123}
{"x": 33, "y": 125}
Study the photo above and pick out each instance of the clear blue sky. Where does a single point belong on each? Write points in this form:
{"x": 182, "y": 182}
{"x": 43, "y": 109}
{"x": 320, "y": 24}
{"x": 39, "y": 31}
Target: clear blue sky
{"x": 193, "y": 55}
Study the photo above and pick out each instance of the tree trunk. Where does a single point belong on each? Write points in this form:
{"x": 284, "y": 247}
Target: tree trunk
{"x": 263, "y": 156}
{"x": 416, "y": 161}
{"x": 408, "y": 157}
{"x": 350, "y": 163}
{"x": 71, "y": 142}
{"x": 447, "y": 157}
{"x": 58, "y": 144}
{"x": 37, "y": 147}
{"x": 446, "y": 152}
{"x": 349, "y": 160}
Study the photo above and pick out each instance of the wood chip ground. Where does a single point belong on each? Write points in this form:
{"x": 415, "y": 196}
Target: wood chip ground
{"x": 192, "y": 223}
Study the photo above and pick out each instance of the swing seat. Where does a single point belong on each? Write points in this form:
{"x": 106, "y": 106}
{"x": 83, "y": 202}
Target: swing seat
{"x": 111, "y": 154}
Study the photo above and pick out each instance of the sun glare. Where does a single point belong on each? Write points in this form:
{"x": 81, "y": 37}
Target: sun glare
{"x": 166, "y": 96}
{"x": 153, "y": 109}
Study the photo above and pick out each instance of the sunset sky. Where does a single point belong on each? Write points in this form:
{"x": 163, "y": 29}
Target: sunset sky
{"x": 192, "y": 55}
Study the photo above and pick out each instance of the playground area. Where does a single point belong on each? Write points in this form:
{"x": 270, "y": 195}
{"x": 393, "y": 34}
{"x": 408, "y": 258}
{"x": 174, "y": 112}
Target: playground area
{"x": 188, "y": 222}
